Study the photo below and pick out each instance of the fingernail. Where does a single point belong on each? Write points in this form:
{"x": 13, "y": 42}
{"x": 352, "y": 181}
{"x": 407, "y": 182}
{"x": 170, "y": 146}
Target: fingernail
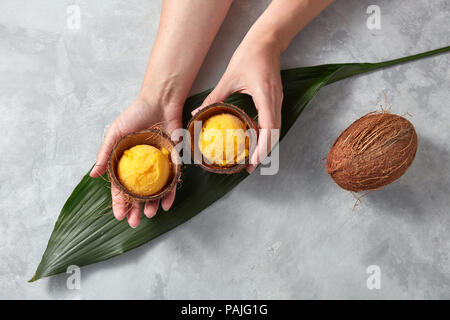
{"x": 117, "y": 218}
{"x": 131, "y": 225}
{"x": 149, "y": 215}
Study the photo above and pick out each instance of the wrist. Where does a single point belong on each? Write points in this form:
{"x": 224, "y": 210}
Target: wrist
{"x": 165, "y": 92}
{"x": 267, "y": 39}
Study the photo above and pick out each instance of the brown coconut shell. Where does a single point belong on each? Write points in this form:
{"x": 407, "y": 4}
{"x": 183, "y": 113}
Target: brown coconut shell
{"x": 206, "y": 113}
{"x": 154, "y": 137}
{"x": 372, "y": 152}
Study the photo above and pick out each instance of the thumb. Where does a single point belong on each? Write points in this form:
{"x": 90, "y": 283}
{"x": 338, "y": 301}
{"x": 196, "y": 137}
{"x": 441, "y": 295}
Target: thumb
{"x": 269, "y": 121}
{"x": 219, "y": 94}
{"x": 111, "y": 137}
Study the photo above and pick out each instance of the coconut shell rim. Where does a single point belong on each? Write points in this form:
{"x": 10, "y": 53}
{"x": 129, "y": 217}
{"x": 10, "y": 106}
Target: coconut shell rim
{"x": 231, "y": 169}
{"x": 166, "y": 189}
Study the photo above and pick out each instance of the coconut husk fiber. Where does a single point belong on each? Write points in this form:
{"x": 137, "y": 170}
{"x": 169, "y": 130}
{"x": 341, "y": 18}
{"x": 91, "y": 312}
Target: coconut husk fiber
{"x": 155, "y": 137}
{"x": 212, "y": 110}
{"x": 372, "y": 152}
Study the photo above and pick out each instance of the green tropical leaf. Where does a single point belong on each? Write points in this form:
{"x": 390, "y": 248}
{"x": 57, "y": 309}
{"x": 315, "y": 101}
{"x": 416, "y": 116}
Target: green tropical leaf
{"x": 86, "y": 231}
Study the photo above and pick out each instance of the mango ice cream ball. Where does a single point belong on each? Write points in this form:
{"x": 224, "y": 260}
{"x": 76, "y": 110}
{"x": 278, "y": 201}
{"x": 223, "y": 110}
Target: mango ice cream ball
{"x": 144, "y": 169}
{"x": 223, "y": 140}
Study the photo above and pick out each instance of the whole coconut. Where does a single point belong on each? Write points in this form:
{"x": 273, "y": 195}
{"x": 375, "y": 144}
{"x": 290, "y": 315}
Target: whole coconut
{"x": 372, "y": 152}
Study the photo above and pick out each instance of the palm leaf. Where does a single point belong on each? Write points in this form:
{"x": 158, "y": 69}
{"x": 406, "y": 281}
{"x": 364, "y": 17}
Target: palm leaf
{"x": 86, "y": 231}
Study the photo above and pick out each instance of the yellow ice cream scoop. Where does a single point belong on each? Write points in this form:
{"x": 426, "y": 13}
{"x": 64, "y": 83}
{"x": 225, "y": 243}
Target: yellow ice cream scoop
{"x": 223, "y": 140}
{"x": 144, "y": 169}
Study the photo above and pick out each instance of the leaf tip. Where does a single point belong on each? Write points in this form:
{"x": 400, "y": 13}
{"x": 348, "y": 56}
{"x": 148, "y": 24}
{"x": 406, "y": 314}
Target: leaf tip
{"x": 33, "y": 279}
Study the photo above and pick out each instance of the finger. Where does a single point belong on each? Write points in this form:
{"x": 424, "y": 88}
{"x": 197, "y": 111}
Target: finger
{"x": 220, "y": 93}
{"x": 266, "y": 142}
{"x": 119, "y": 203}
{"x": 176, "y": 131}
{"x": 168, "y": 200}
{"x": 150, "y": 209}
{"x": 111, "y": 137}
{"x": 261, "y": 150}
{"x": 134, "y": 216}
{"x": 269, "y": 118}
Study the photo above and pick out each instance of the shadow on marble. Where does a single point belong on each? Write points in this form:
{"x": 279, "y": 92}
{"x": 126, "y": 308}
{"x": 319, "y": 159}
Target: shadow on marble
{"x": 416, "y": 191}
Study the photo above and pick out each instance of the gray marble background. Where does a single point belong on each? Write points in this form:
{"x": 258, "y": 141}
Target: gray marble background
{"x": 293, "y": 235}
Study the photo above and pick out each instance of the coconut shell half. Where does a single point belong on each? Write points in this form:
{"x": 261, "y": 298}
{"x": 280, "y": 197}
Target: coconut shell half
{"x": 372, "y": 152}
{"x": 206, "y": 113}
{"x": 154, "y": 137}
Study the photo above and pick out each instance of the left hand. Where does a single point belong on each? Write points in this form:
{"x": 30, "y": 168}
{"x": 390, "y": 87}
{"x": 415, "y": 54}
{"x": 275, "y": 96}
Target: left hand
{"x": 141, "y": 114}
{"x": 254, "y": 69}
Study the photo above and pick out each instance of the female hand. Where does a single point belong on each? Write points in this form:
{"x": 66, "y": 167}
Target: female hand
{"x": 169, "y": 76}
{"x": 141, "y": 114}
{"x": 254, "y": 69}
{"x": 255, "y": 66}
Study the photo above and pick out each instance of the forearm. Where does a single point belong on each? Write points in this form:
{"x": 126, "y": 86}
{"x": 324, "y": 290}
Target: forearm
{"x": 283, "y": 19}
{"x": 186, "y": 31}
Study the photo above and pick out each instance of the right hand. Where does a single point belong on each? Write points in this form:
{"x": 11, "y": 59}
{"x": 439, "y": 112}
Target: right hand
{"x": 140, "y": 115}
{"x": 254, "y": 69}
